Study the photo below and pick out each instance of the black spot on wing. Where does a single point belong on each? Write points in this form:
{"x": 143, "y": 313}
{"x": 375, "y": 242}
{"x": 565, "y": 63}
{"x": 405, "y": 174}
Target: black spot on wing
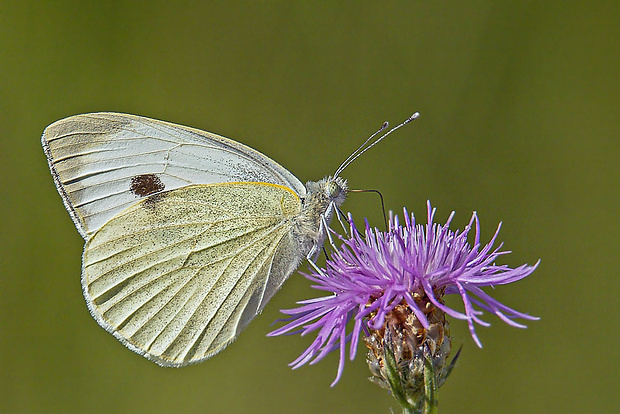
{"x": 146, "y": 184}
{"x": 151, "y": 201}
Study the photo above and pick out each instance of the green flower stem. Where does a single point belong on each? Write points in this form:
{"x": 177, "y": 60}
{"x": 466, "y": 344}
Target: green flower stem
{"x": 394, "y": 378}
{"x": 426, "y": 403}
{"x": 430, "y": 386}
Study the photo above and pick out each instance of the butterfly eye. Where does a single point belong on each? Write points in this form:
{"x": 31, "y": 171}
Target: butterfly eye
{"x": 333, "y": 189}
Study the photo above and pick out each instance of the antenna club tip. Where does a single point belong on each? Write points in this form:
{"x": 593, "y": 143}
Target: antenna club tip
{"x": 416, "y": 115}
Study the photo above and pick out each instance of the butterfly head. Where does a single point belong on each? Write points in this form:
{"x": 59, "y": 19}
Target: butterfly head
{"x": 335, "y": 189}
{"x": 328, "y": 193}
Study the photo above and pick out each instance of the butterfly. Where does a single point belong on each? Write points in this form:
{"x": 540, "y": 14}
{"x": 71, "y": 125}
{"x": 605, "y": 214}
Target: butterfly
{"x": 187, "y": 234}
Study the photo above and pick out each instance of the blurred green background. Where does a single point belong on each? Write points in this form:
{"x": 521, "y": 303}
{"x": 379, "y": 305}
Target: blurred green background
{"x": 520, "y": 122}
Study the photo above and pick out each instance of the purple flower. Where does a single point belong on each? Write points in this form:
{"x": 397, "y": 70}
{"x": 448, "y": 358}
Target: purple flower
{"x": 378, "y": 277}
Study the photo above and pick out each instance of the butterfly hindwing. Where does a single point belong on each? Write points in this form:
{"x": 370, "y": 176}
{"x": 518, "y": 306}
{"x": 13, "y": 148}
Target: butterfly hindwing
{"x": 178, "y": 275}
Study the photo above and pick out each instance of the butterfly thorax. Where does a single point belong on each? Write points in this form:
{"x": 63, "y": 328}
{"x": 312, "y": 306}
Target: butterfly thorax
{"x": 318, "y": 205}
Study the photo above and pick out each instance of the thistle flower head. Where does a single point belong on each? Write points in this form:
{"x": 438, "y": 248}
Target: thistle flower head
{"x": 391, "y": 286}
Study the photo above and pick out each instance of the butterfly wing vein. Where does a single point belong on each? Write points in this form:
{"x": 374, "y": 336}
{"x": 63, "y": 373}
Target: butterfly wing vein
{"x": 94, "y": 157}
{"x": 176, "y": 279}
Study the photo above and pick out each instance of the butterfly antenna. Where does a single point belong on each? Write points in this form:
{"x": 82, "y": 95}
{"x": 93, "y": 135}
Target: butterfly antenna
{"x": 363, "y": 148}
{"x": 353, "y": 155}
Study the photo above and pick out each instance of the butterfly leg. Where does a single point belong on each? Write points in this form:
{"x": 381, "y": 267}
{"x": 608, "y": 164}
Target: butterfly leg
{"x": 315, "y": 267}
{"x": 326, "y": 228}
{"x": 322, "y": 233}
{"x": 339, "y": 215}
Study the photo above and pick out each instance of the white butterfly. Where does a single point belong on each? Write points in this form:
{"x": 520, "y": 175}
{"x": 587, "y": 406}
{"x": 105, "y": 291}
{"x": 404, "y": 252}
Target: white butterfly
{"x": 188, "y": 234}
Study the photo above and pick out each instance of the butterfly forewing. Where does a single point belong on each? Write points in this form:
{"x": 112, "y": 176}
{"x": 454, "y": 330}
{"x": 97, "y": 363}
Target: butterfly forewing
{"x": 103, "y": 162}
{"x": 178, "y": 275}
